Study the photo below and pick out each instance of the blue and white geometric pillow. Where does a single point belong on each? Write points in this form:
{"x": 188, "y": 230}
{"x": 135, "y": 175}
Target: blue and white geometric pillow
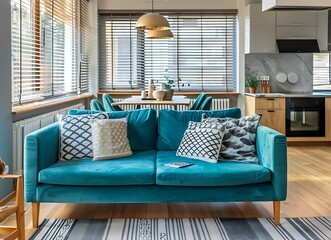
{"x": 202, "y": 141}
{"x": 76, "y": 136}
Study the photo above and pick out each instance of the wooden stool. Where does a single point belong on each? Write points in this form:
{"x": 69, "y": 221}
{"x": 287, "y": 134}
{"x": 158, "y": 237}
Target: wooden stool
{"x": 18, "y": 208}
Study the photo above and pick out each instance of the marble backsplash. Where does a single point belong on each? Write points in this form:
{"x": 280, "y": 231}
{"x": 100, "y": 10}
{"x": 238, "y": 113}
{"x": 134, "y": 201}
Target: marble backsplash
{"x": 288, "y": 72}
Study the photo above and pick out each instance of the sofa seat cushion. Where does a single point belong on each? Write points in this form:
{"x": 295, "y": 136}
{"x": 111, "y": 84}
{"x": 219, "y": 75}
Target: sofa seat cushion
{"x": 207, "y": 174}
{"x": 137, "y": 169}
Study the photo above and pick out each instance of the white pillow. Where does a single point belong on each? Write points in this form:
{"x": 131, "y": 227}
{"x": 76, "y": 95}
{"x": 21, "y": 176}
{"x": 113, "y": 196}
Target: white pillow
{"x": 110, "y": 139}
{"x": 202, "y": 141}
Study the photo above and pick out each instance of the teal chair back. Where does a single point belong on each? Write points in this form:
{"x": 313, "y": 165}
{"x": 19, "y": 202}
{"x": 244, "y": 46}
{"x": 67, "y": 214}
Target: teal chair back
{"x": 107, "y": 101}
{"x": 206, "y": 104}
{"x": 96, "y": 105}
{"x": 198, "y": 101}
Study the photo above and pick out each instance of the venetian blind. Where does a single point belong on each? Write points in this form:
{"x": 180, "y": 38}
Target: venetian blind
{"x": 44, "y": 49}
{"x": 201, "y": 56}
{"x": 321, "y": 71}
{"x": 120, "y": 52}
{"x": 84, "y": 47}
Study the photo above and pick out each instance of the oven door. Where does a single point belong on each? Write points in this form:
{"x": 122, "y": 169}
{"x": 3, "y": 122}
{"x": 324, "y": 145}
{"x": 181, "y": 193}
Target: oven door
{"x": 305, "y": 117}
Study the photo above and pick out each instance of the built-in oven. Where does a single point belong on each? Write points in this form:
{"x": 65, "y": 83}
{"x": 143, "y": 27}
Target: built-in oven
{"x": 305, "y": 117}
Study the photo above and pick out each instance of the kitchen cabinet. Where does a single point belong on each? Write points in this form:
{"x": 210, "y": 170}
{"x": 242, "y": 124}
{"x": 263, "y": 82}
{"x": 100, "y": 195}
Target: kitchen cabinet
{"x": 272, "y": 110}
{"x": 296, "y": 18}
{"x": 303, "y": 25}
{"x": 328, "y": 119}
{"x": 296, "y": 32}
{"x": 296, "y": 25}
{"x": 260, "y": 32}
{"x": 263, "y": 28}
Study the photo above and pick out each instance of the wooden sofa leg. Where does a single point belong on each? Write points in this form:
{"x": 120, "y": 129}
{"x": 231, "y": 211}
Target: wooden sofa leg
{"x": 35, "y": 214}
{"x": 276, "y": 205}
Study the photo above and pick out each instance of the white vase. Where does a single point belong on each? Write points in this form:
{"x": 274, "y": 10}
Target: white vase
{"x": 158, "y": 94}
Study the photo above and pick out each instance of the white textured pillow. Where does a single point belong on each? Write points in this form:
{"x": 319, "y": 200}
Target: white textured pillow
{"x": 110, "y": 139}
{"x": 202, "y": 141}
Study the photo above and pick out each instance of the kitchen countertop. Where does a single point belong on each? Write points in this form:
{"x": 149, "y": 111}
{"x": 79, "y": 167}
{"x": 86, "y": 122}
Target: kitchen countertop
{"x": 275, "y": 95}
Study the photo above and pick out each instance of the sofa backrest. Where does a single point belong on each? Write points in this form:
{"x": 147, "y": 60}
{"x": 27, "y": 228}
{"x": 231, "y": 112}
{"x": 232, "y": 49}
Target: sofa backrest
{"x": 172, "y": 125}
{"x": 141, "y": 126}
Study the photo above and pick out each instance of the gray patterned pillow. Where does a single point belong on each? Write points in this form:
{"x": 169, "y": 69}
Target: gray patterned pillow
{"x": 239, "y": 137}
{"x": 76, "y": 136}
{"x": 202, "y": 141}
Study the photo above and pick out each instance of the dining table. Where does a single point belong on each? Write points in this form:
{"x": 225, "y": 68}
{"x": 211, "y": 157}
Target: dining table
{"x": 139, "y": 101}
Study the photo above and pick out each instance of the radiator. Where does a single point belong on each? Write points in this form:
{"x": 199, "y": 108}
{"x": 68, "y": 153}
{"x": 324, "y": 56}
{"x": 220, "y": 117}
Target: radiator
{"x": 220, "y": 103}
{"x": 29, "y": 125}
{"x": 217, "y": 104}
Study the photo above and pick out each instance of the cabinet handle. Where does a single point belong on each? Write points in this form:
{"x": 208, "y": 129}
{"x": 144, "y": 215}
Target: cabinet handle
{"x": 270, "y": 99}
{"x": 270, "y": 110}
{"x": 297, "y": 24}
{"x": 300, "y": 37}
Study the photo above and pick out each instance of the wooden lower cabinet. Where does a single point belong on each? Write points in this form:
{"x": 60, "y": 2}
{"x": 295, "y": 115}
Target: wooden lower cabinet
{"x": 274, "y": 116}
{"x": 272, "y": 110}
{"x": 328, "y": 119}
{"x": 274, "y": 119}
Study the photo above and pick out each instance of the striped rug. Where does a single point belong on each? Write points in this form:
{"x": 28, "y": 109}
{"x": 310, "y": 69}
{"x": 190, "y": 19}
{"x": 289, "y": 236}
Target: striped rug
{"x": 184, "y": 229}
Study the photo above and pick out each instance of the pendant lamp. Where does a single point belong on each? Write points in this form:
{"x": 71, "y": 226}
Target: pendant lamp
{"x": 159, "y": 34}
{"x": 152, "y": 21}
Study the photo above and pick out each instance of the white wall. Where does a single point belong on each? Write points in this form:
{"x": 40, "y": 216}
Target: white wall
{"x": 322, "y": 29}
{"x": 241, "y": 54}
{"x": 167, "y": 4}
{"x": 6, "y": 141}
{"x": 93, "y": 48}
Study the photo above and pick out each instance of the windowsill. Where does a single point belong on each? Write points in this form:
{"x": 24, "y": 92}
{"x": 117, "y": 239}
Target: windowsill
{"x": 135, "y": 92}
{"x": 48, "y": 103}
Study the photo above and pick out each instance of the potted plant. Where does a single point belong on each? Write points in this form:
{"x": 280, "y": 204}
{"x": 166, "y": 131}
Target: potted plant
{"x": 251, "y": 82}
{"x": 167, "y": 87}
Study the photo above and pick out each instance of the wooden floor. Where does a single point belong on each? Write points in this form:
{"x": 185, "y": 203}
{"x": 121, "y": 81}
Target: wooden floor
{"x": 309, "y": 194}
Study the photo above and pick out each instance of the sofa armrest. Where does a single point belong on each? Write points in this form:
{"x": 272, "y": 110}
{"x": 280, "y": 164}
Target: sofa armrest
{"x": 271, "y": 147}
{"x": 41, "y": 151}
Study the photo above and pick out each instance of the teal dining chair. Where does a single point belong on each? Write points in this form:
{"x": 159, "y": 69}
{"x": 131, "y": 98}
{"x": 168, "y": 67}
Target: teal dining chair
{"x": 206, "y": 104}
{"x": 107, "y": 101}
{"x": 96, "y": 105}
{"x": 198, "y": 101}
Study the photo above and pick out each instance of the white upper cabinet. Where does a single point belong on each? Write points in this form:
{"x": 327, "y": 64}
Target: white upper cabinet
{"x": 303, "y": 25}
{"x": 296, "y": 25}
{"x": 296, "y": 18}
{"x": 296, "y": 32}
{"x": 263, "y": 28}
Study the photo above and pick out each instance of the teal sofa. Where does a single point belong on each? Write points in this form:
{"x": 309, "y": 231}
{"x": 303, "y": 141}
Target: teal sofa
{"x": 143, "y": 177}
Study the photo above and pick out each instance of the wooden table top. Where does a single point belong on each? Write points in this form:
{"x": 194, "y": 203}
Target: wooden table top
{"x": 136, "y": 100}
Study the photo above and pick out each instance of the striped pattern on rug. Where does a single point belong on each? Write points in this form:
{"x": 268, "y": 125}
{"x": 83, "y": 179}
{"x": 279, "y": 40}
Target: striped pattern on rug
{"x": 184, "y": 229}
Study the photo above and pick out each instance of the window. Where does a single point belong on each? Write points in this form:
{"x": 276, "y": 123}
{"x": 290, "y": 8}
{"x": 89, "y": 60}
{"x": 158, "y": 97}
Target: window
{"x": 47, "y": 49}
{"x": 200, "y": 57}
{"x": 322, "y": 74}
{"x": 120, "y": 52}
